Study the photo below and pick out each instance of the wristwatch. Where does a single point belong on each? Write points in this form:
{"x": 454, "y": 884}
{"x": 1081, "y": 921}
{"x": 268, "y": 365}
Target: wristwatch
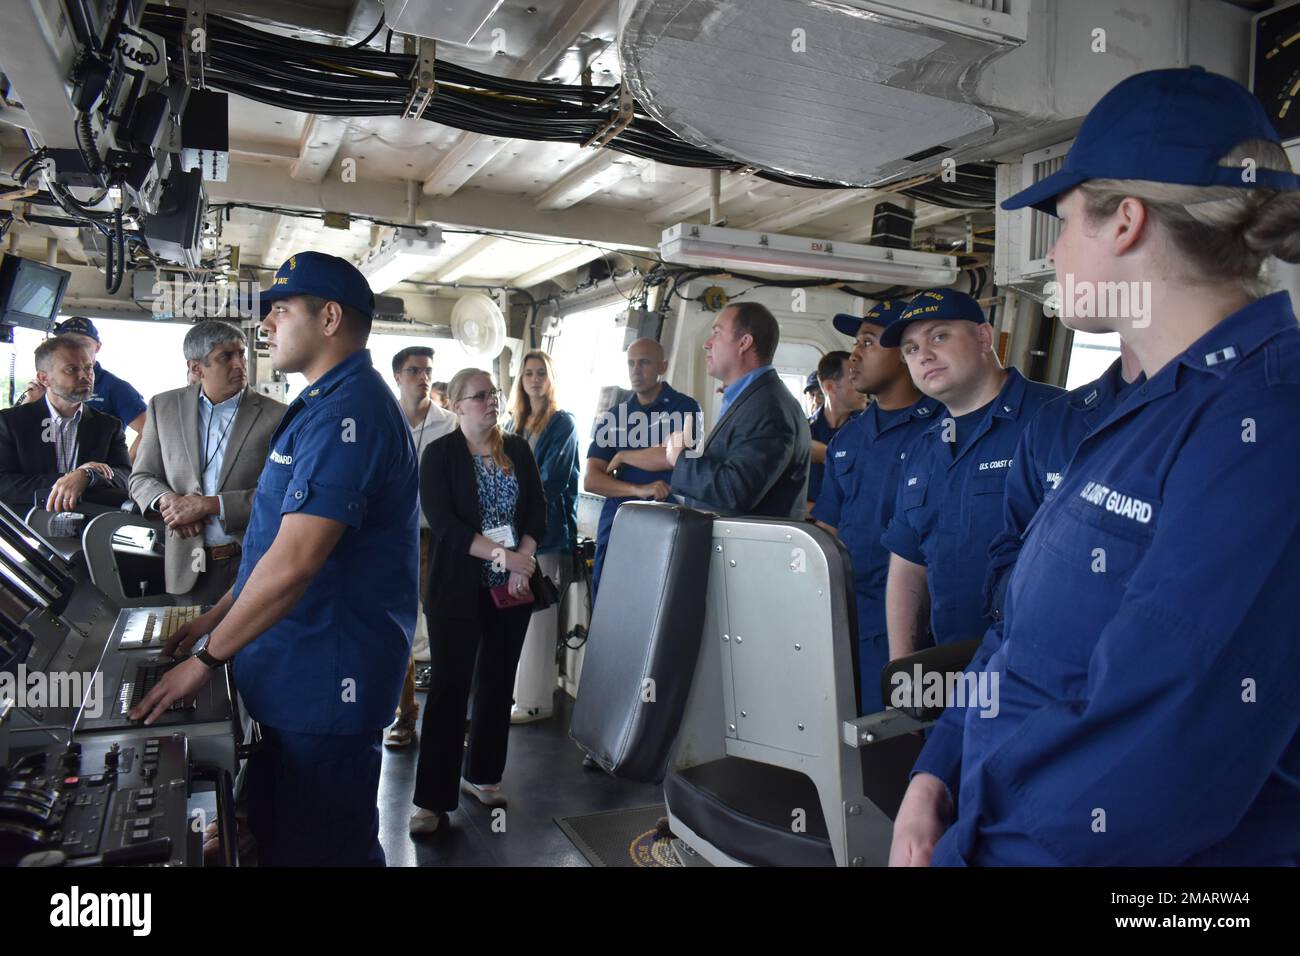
{"x": 201, "y": 652}
{"x": 90, "y": 473}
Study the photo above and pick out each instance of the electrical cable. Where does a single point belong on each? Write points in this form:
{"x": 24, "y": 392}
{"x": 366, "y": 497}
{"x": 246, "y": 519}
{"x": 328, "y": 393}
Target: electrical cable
{"x": 371, "y": 35}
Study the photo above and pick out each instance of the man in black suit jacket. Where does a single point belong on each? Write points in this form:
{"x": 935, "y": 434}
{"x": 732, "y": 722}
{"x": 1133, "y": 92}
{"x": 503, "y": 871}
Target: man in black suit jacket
{"x": 57, "y": 447}
{"x": 755, "y": 460}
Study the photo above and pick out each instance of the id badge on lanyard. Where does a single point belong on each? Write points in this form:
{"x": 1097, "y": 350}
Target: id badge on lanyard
{"x": 503, "y": 535}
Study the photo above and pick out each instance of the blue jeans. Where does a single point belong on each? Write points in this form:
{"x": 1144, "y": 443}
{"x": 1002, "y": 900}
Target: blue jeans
{"x": 313, "y": 799}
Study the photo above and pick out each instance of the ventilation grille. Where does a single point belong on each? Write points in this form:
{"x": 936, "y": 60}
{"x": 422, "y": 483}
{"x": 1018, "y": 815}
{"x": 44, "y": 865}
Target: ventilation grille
{"x": 994, "y": 6}
{"x": 1043, "y": 229}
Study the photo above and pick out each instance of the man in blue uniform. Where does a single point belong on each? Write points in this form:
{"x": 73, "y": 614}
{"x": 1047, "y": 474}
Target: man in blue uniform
{"x": 949, "y": 505}
{"x": 113, "y": 396}
{"x": 323, "y": 610}
{"x": 1040, "y": 461}
{"x": 842, "y": 403}
{"x": 1149, "y": 712}
{"x": 646, "y": 419}
{"x": 863, "y": 462}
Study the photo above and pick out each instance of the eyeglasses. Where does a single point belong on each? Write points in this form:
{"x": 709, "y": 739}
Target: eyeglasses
{"x": 493, "y": 395}
{"x": 416, "y": 370}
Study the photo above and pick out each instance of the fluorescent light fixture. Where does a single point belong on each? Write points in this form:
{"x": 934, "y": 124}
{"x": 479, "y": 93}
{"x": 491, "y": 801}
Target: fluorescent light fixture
{"x": 772, "y": 253}
{"x": 405, "y": 254}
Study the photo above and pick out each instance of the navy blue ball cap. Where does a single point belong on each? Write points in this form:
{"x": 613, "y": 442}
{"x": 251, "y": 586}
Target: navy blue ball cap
{"x": 318, "y": 274}
{"x": 930, "y": 305}
{"x": 77, "y": 325}
{"x": 884, "y": 313}
{"x": 1164, "y": 126}
{"x": 812, "y": 382}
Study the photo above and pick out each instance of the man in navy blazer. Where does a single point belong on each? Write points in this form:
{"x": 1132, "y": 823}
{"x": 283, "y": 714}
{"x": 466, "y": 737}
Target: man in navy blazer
{"x": 755, "y": 460}
{"x": 56, "y": 447}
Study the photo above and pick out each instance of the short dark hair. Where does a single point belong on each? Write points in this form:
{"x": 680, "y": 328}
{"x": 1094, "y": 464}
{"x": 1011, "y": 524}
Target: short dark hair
{"x": 401, "y": 358}
{"x": 45, "y": 351}
{"x": 756, "y": 320}
{"x": 354, "y": 319}
{"x": 831, "y": 367}
{"x": 439, "y": 387}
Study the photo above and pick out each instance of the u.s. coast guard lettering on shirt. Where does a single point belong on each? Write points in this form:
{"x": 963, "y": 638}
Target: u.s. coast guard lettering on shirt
{"x": 281, "y": 459}
{"x": 992, "y": 465}
{"x": 1126, "y": 506}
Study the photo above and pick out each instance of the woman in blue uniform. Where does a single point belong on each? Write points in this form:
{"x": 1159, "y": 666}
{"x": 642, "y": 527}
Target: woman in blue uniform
{"x": 1148, "y": 703}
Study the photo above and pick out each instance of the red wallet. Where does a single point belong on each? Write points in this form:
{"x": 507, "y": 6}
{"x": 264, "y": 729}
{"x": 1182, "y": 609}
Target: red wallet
{"x": 502, "y": 597}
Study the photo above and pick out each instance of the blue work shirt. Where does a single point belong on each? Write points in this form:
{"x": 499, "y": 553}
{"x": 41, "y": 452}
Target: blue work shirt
{"x": 1149, "y": 664}
{"x": 949, "y": 508}
{"x": 1045, "y": 449}
{"x": 556, "y": 451}
{"x": 819, "y": 429}
{"x": 116, "y": 397}
{"x": 335, "y": 663}
{"x": 732, "y": 391}
{"x": 630, "y": 425}
{"x": 863, "y": 464}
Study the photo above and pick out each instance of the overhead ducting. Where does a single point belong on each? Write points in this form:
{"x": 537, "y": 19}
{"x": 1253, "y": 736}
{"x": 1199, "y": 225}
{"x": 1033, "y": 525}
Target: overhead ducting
{"x": 864, "y": 92}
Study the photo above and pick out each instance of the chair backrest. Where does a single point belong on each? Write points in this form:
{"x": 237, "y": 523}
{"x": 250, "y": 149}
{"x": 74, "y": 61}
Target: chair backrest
{"x": 644, "y": 638}
{"x": 776, "y": 678}
{"x": 102, "y": 562}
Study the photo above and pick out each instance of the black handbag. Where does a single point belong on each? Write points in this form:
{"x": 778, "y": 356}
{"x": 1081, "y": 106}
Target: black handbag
{"x": 545, "y": 593}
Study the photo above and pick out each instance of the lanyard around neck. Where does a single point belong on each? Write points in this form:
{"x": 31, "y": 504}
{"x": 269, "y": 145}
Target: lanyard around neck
{"x": 221, "y": 438}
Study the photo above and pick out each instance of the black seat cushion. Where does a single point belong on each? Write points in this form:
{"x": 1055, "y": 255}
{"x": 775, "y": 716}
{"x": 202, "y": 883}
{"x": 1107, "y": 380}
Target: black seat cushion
{"x": 645, "y": 639}
{"x": 748, "y": 811}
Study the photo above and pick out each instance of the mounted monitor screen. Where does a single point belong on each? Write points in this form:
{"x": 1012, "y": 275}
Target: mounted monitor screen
{"x": 30, "y": 293}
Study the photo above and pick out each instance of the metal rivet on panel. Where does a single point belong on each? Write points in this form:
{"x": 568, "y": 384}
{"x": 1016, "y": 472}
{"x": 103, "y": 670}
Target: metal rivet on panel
{"x": 744, "y": 714}
{"x": 739, "y": 639}
{"x": 854, "y": 809}
{"x": 718, "y": 548}
{"x": 732, "y": 562}
{"x": 731, "y": 727}
{"x": 858, "y": 861}
{"x": 726, "y": 638}
{"x": 798, "y": 647}
{"x": 801, "y": 726}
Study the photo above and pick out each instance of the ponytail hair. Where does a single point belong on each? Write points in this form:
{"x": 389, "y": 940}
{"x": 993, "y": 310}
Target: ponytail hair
{"x": 1223, "y": 233}
{"x": 456, "y": 389}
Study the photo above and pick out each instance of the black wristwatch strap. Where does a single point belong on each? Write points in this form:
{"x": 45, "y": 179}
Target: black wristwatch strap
{"x": 212, "y": 662}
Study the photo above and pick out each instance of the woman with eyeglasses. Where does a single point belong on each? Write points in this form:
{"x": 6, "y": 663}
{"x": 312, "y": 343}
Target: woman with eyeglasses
{"x": 482, "y": 495}
{"x": 553, "y": 437}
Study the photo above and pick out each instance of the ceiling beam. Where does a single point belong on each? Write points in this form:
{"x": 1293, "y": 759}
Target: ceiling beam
{"x": 570, "y": 259}
{"x": 597, "y": 172}
{"x": 460, "y": 264}
{"x": 814, "y": 208}
{"x": 319, "y": 145}
{"x": 267, "y": 149}
{"x": 697, "y": 200}
{"x": 472, "y": 151}
{"x": 933, "y": 215}
{"x": 474, "y": 209}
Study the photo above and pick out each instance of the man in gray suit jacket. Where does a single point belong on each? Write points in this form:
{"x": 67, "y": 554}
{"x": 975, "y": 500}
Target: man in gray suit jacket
{"x": 200, "y": 456}
{"x": 755, "y": 460}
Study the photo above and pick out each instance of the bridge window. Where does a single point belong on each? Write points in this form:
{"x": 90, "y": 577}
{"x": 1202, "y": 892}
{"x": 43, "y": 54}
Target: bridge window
{"x": 1090, "y": 355}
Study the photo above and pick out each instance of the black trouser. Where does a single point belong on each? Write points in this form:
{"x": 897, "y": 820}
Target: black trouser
{"x": 486, "y": 654}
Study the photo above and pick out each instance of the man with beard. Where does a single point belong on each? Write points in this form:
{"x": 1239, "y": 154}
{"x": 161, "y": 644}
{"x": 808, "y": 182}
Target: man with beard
{"x": 56, "y": 448}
